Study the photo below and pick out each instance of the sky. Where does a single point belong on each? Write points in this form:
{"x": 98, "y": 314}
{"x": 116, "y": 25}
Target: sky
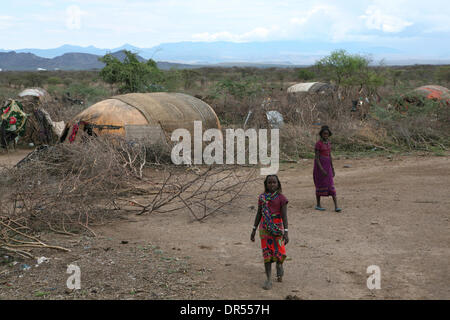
{"x": 112, "y": 23}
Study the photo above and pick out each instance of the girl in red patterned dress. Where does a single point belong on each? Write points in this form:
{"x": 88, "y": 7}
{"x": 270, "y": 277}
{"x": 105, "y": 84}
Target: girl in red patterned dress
{"x": 323, "y": 173}
{"x": 273, "y": 227}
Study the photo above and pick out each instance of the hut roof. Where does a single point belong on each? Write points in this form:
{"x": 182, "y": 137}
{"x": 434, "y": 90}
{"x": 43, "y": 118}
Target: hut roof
{"x": 434, "y": 92}
{"x": 312, "y": 87}
{"x": 35, "y": 92}
{"x": 164, "y": 111}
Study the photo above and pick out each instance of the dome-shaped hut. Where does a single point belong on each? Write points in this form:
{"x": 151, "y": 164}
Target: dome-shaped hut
{"x": 38, "y": 93}
{"x": 142, "y": 116}
{"x": 310, "y": 87}
{"x": 434, "y": 92}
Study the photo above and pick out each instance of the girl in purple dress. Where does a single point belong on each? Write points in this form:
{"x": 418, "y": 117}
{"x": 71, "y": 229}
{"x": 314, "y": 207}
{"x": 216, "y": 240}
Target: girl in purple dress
{"x": 323, "y": 169}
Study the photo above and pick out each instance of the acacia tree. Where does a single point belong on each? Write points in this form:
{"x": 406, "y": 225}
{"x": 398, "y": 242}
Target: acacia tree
{"x": 347, "y": 70}
{"x": 131, "y": 75}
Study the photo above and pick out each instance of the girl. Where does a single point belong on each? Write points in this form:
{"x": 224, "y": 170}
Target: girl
{"x": 273, "y": 230}
{"x": 323, "y": 169}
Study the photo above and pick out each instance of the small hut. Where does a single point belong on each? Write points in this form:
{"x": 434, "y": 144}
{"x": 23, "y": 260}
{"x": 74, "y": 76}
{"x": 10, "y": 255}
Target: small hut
{"x": 39, "y": 93}
{"x": 40, "y": 128}
{"x": 434, "y": 92}
{"x": 310, "y": 87}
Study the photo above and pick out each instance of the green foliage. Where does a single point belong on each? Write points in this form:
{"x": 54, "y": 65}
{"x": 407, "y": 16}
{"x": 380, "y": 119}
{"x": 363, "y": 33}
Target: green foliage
{"x": 172, "y": 79}
{"x": 396, "y": 75}
{"x": 67, "y": 81}
{"x": 399, "y": 106}
{"x": 131, "y": 75}
{"x": 88, "y": 93}
{"x": 39, "y": 294}
{"x": 189, "y": 77}
{"x": 349, "y": 70}
{"x": 54, "y": 80}
{"x": 239, "y": 89}
{"x": 442, "y": 75}
{"x": 305, "y": 74}
{"x": 34, "y": 79}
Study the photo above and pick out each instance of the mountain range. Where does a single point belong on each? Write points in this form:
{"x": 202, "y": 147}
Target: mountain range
{"x": 220, "y": 53}
{"x": 20, "y": 61}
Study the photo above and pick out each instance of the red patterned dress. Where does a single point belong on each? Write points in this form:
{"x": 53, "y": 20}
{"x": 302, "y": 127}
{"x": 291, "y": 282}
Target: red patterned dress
{"x": 273, "y": 247}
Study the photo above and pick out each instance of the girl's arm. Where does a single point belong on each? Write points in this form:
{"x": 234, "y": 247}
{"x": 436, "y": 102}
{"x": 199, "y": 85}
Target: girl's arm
{"x": 285, "y": 223}
{"x": 256, "y": 223}
{"x": 331, "y": 162}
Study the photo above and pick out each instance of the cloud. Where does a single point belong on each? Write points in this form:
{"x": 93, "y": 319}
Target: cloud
{"x": 6, "y": 22}
{"x": 255, "y": 34}
{"x": 73, "y": 17}
{"x": 307, "y": 16}
{"x": 375, "y": 19}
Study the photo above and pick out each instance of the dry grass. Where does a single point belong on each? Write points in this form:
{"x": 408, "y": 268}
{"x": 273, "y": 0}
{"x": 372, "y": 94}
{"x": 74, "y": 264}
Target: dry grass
{"x": 67, "y": 188}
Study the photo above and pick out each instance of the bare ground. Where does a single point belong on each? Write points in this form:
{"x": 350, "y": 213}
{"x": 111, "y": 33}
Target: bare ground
{"x": 395, "y": 215}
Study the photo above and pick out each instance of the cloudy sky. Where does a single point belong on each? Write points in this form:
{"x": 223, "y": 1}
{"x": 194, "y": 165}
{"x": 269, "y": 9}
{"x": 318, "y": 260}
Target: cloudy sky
{"x": 112, "y": 23}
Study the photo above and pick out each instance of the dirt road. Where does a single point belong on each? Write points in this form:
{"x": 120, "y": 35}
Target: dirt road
{"x": 395, "y": 216}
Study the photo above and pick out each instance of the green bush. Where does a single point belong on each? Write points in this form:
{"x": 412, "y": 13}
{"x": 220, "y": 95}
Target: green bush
{"x": 54, "y": 80}
{"x": 305, "y": 74}
{"x": 132, "y": 75}
{"x": 89, "y": 93}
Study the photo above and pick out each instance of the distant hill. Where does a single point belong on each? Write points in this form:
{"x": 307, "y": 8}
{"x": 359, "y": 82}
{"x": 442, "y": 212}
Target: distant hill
{"x": 17, "y": 61}
{"x": 189, "y": 54}
{"x": 22, "y": 61}
{"x": 183, "y": 55}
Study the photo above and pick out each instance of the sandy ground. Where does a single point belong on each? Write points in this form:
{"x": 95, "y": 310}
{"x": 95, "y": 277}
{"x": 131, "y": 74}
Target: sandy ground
{"x": 395, "y": 216}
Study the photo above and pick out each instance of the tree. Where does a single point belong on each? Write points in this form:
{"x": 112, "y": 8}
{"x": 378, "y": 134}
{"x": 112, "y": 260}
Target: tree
{"x": 131, "y": 75}
{"x": 189, "y": 77}
{"x": 239, "y": 89}
{"x": 442, "y": 75}
{"x": 34, "y": 79}
{"x": 348, "y": 70}
{"x": 396, "y": 74}
{"x": 305, "y": 74}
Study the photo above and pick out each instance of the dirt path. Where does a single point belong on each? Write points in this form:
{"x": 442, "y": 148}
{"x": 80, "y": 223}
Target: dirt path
{"x": 10, "y": 158}
{"x": 395, "y": 215}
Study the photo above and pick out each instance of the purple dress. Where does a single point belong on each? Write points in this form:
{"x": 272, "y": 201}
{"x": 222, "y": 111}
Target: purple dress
{"x": 324, "y": 184}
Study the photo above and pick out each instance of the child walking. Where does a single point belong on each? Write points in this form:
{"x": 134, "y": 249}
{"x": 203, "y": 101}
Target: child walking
{"x": 323, "y": 172}
{"x": 273, "y": 227}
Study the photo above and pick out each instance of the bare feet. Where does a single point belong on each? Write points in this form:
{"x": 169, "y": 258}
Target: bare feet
{"x": 280, "y": 272}
{"x": 267, "y": 285}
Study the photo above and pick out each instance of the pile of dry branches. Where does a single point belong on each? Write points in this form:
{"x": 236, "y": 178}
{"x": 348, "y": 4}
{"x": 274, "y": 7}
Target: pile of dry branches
{"x": 203, "y": 191}
{"x": 68, "y": 188}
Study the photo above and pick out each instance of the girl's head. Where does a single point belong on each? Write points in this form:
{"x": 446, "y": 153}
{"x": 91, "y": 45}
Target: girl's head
{"x": 272, "y": 184}
{"x": 325, "y": 132}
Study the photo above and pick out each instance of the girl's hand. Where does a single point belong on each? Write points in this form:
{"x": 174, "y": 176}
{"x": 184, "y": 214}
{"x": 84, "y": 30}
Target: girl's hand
{"x": 285, "y": 238}
{"x": 333, "y": 173}
{"x": 324, "y": 173}
{"x": 252, "y": 236}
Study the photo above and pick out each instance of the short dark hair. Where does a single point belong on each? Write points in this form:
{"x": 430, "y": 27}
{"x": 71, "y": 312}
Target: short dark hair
{"x": 278, "y": 180}
{"x": 325, "y": 128}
